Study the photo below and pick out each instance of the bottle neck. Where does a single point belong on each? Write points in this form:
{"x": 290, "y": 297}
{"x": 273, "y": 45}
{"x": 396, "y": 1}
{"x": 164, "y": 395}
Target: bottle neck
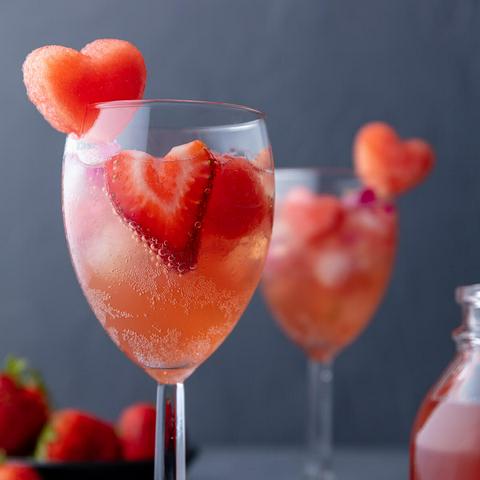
{"x": 468, "y": 334}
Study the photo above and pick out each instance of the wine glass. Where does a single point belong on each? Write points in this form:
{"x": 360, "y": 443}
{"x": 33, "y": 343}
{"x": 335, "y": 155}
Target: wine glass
{"x": 329, "y": 262}
{"x": 168, "y": 214}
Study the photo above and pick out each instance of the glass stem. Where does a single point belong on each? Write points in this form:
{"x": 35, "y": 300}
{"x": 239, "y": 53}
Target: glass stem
{"x": 320, "y": 425}
{"x": 170, "y": 459}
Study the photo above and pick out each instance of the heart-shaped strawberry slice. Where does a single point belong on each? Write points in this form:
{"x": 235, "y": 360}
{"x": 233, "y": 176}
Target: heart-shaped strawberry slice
{"x": 312, "y": 217}
{"x": 164, "y": 199}
{"x": 61, "y": 81}
{"x": 386, "y": 163}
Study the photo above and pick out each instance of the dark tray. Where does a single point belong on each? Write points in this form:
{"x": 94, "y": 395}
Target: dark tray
{"x": 94, "y": 471}
{"x": 121, "y": 470}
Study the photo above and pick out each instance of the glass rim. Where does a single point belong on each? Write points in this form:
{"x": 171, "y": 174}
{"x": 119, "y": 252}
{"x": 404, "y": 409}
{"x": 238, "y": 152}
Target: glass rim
{"x": 145, "y": 102}
{"x": 328, "y": 170}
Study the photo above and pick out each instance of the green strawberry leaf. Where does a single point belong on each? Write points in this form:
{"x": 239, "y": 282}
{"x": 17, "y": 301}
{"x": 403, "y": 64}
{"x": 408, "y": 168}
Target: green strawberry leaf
{"x": 19, "y": 370}
{"x": 47, "y": 436}
{"x": 14, "y": 367}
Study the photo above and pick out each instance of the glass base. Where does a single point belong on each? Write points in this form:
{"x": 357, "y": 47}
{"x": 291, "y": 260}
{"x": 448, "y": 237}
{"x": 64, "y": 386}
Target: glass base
{"x": 313, "y": 473}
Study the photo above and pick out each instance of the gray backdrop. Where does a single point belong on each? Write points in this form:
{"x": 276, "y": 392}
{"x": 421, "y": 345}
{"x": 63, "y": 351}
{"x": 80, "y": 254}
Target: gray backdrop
{"x": 320, "y": 68}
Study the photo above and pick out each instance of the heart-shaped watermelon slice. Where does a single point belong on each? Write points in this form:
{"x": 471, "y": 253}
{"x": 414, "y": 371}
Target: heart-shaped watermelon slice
{"x": 61, "y": 82}
{"x": 388, "y": 164}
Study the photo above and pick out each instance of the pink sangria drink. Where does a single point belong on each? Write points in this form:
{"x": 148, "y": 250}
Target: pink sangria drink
{"x": 167, "y": 311}
{"x": 330, "y": 259}
{"x": 446, "y": 442}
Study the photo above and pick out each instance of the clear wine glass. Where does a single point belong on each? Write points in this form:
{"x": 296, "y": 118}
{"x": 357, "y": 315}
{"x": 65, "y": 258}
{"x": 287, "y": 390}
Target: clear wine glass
{"x": 329, "y": 263}
{"x": 168, "y": 214}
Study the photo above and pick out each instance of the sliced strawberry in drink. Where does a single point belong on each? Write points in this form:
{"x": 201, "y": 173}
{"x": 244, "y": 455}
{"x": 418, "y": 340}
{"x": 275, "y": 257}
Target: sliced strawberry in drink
{"x": 238, "y": 203}
{"x": 164, "y": 200}
{"x": 311, "y": 216}
{"x": 387, "y": 164}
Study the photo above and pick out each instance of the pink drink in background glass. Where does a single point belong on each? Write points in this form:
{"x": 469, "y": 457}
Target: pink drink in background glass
{"x": 324, "y": 289}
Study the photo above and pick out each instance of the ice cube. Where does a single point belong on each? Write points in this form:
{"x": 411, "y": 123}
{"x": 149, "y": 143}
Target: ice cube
{"x": 332, "y": 267}
{"x": 111, "y": 246}
{"x": 74, "y": 178}
{"x": 371, "y": 220}
{"x": 91, "y": 153}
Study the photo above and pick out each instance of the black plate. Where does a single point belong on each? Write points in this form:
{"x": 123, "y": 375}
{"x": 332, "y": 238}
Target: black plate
{"x": 98, "y": 470}
{"x": 94, "y": 471}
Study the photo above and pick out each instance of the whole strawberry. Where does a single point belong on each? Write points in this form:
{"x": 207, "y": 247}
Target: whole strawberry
{"x": 17, "y": 471}
{"x": 23, "y": 407}
{"x": 76, "y": 436}
{"x": 136, "y": 429}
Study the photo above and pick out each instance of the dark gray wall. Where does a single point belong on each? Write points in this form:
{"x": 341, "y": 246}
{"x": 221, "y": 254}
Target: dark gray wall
{"x": 320, "y": 69}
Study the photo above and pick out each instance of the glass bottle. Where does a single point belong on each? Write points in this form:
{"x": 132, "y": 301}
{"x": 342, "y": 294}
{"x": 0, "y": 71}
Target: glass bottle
{"x": 445, "y": 441}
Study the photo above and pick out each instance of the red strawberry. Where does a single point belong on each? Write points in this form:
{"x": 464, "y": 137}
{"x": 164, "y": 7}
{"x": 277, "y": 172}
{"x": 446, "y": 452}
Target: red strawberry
{"x": 17, "y": 471}
{"x": 164, "y": 199}
{"x": 61, "y": 81}
{"x": 312, "y": 216}
{"x": 386, "y": 163}
{"x": 238, "y": 203}
{"x": 23, "y": 407}
{"x": 136, "y": 429}
{"x": 75, "y": 436}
